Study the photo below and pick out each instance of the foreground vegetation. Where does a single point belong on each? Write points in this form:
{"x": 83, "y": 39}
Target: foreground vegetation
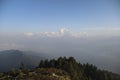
{"x": 60, "y": 69}
{"x": 36, "y": 74}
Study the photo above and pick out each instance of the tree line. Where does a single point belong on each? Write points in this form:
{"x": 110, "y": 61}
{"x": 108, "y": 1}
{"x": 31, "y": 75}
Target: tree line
{"x": 78, "y": 71}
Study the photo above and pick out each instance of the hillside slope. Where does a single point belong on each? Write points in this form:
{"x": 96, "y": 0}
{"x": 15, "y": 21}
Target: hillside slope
{"x": 36, "y": 74}
{"x": 11, "y": 59}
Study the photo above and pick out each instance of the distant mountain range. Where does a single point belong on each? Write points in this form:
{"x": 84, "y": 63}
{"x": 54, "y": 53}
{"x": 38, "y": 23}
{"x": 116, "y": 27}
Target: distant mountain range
{"x": 11, "y": 59}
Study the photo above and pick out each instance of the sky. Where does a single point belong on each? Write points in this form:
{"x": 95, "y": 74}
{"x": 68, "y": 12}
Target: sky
{"x": 18, "y": 16}
{"x": 88, "y": 30}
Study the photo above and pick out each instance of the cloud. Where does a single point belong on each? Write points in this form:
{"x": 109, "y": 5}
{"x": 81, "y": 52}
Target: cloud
{"x": 86, "y": 32}
{"x": 29, "y": 34}
{"x": 63, "y": 32}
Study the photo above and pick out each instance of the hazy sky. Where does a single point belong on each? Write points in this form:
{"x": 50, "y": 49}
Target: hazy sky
{"x": 50, "y": 15}
{"x": 89, "y": 30}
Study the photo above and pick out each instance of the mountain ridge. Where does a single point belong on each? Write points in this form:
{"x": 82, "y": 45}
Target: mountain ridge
{"x": 11, "y": 59}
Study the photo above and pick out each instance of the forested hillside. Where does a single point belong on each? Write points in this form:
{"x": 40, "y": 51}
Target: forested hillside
{"x": 60, "y": 69}
{"x": 78, "y": 71}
